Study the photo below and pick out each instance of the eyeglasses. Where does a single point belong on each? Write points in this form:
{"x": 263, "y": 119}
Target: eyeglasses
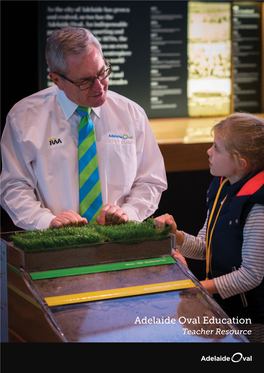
{"x": 90, "y": 82}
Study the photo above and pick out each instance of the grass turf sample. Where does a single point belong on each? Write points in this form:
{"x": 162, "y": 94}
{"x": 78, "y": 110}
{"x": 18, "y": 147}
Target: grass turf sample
{"x": 90, "y": 234}
{"x": 132, "y": 231}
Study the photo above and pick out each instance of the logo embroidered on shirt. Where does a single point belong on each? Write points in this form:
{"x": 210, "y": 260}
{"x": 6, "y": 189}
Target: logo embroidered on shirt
{"x": 55, "y": 141}
{"x": 125, "y": 136}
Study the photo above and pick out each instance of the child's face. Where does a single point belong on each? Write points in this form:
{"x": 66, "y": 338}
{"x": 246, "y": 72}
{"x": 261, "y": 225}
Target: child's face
{"x": 221, "y": 162}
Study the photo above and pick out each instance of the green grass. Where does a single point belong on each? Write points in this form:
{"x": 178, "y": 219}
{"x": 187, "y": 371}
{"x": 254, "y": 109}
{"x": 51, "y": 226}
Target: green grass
{"x": 90, "y": 234}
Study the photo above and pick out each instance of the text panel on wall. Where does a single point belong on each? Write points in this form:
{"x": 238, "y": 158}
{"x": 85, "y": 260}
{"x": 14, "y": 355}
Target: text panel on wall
{"x": 171, "y": 57}
{"x": 146, "y": 45}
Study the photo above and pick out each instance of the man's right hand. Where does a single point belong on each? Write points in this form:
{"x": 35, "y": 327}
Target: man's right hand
{"x": 67, "y": 218}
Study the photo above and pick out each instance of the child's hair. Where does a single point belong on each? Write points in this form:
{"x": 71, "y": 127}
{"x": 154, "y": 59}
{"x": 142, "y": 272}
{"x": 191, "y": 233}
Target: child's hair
{"x": 243, "y": 134}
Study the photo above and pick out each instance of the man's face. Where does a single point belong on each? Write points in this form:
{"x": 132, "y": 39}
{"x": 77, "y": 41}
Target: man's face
{"x": 81, "y": 68}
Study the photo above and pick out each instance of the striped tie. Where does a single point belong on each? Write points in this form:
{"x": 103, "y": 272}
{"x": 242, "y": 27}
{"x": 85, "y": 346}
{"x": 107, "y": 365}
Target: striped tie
{"x": 90, "y": 196}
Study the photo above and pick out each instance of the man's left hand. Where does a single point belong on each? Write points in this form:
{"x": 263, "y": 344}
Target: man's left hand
{"x": 112, "y": 214}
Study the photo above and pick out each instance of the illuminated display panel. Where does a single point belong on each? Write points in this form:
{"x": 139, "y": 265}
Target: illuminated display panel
{"x": 209, "y": 58}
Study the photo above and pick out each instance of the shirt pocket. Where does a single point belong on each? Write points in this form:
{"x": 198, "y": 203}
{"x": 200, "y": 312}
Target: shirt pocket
{"x": 121, "y": 164}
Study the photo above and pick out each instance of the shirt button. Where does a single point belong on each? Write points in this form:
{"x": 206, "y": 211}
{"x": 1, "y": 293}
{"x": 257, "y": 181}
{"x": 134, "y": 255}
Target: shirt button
{"x": 230, "y": 223}
{"x": 236, "y": 221}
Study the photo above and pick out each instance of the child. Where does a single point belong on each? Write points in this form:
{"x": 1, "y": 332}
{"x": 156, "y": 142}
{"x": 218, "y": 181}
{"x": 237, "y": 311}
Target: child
{"x": 232, "y": 239}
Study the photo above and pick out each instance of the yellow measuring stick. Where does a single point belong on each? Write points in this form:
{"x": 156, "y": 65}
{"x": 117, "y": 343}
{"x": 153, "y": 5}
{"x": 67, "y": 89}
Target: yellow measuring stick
{"x": 118, "y": 293}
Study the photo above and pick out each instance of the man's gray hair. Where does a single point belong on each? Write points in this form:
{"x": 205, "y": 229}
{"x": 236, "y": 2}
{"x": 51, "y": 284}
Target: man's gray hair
{"x": 66, "y": 42}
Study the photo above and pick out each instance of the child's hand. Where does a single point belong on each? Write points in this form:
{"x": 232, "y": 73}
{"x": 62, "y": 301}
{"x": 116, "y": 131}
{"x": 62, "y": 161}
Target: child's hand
{"x": 178, "y": 257}
{"x": 166, "y": 219}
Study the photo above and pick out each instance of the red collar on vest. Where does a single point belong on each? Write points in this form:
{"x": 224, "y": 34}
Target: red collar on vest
{"x": 253, "y": 185}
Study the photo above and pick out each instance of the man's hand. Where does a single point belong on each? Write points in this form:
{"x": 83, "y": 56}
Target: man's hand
{"x": 112, "y": 214}
{"x": 67, "y": 218}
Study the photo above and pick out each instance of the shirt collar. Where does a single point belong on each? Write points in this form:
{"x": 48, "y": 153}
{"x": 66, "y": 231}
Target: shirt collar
{"x": 70, "y": 107}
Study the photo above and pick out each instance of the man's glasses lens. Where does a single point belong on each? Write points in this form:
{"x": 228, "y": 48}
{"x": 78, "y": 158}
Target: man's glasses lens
{"x": 101, "y": 77}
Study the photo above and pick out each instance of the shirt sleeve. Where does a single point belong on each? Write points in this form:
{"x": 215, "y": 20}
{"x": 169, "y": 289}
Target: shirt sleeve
{"x": 18, "y": 184}
{"x": 251, "y": 272}
{"x": 150, "y": 180}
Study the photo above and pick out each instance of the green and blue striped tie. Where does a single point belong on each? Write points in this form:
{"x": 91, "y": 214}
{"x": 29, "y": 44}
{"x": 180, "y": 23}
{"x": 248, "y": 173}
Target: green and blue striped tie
{"x": 90, "y": 196}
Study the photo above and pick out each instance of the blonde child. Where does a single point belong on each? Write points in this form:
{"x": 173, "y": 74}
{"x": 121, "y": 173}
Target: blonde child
{"x": 232, "y": 238}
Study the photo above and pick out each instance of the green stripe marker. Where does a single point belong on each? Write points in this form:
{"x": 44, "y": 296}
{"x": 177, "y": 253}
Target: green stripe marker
{"x": 101, "y": 268}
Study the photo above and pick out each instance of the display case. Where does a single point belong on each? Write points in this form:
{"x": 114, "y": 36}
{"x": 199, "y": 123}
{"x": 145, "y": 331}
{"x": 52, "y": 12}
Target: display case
{"x": 77, "y": 295}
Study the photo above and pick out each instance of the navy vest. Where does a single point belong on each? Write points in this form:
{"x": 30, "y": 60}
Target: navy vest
{"x": 227, "y": 240}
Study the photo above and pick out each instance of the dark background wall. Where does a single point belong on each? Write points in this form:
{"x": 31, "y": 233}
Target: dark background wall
{"x": 19, "y": 62}
{"x": 185, "y": 197}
